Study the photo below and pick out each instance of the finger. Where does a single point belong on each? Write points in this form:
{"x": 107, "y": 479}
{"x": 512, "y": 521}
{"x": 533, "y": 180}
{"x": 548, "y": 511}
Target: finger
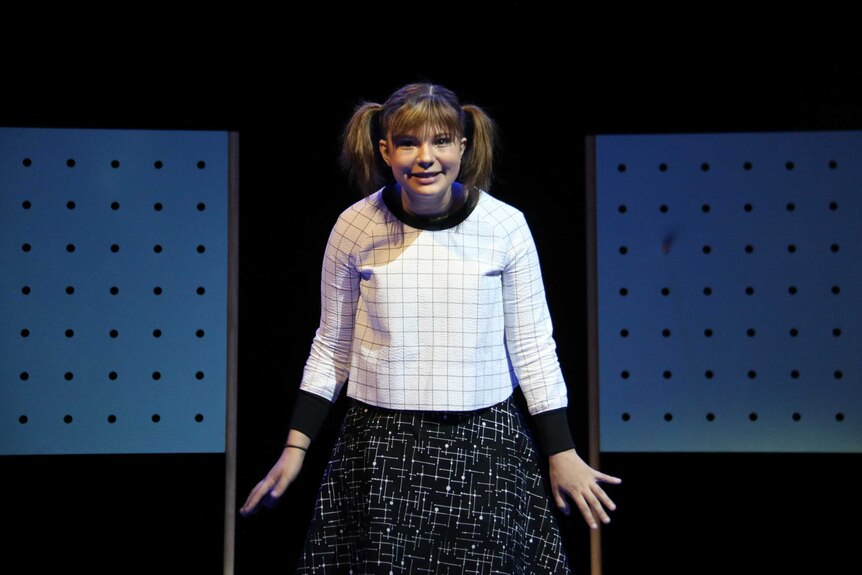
{"x": 561, "y": 502}
{"x": 584, "y": 507}
{"x": 250, "y": 505}
{"x": 608, "y": 478}
{"x": 603, "y": 497}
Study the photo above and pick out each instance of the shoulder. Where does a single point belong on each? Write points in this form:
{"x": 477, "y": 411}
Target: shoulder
{"x": 498, "y": 213}
{"x": 369, "y": 211}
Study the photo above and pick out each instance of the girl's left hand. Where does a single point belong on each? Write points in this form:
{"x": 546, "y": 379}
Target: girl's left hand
{"x": 571, "y": 477}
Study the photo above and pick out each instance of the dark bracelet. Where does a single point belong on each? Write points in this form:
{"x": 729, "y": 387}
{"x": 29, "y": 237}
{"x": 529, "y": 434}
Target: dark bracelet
{"x": 286, "y": 445}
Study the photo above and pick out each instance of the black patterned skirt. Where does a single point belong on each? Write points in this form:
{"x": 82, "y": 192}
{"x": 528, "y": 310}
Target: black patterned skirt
{"x": 433, "y": 493}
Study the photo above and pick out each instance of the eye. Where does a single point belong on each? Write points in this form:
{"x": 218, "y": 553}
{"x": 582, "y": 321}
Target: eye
{"x": 405, "y": 142}
{"x": 442, "y": 140}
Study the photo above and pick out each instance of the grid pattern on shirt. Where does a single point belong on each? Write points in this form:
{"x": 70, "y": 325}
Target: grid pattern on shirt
{"x": 438, "y": 320}
{"x": 416, "y": 493}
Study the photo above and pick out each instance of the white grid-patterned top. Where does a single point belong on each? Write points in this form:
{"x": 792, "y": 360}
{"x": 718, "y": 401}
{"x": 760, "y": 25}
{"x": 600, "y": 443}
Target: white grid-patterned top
{"x": 445, "y": 319}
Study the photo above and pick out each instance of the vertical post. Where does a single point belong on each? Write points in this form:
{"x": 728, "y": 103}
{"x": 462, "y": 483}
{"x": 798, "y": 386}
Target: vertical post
{"x": 592, "y": 331}
{"x": 232, "y": 328}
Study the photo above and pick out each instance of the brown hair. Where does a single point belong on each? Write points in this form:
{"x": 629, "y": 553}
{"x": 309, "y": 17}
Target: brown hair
{"x": 412, "y": 110}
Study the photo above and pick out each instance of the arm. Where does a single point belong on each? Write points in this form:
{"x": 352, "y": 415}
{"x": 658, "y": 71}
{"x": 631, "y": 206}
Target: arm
{"x": 533, "y": 352}
{"x": 282, "y": 474}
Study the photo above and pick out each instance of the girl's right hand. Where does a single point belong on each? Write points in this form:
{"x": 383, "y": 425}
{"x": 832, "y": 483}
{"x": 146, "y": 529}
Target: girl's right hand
{"x": 272, "y": 487}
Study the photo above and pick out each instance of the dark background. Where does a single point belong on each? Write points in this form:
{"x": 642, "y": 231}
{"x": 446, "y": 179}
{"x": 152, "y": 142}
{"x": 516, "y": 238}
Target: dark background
{"x": 549, "y": 80}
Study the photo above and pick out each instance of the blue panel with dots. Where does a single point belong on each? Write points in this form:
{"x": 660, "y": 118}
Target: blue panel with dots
{"x": 729, "y": 299}
{"x": 113, "y": 251}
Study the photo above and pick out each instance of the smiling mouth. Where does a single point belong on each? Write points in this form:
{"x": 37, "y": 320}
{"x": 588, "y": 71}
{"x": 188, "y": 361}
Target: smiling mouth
{"x": 425, "y": 175}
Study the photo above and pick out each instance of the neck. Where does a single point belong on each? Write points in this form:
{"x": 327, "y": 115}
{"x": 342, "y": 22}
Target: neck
{"x": 433, "y": 206}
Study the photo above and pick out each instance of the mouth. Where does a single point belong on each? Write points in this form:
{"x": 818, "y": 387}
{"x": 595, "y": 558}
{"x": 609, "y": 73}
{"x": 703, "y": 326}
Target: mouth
{"x": 424, "y": 178}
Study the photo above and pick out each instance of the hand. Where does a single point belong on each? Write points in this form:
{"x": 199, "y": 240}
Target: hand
{"x": 272, "y": 487}
{"x": 572, "y": 477}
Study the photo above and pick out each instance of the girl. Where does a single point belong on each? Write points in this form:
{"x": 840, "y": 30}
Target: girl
{"x": 432, "y": 311}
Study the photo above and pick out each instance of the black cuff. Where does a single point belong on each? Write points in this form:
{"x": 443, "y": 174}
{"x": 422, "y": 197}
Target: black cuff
{"x": 553, "y": 429}
{"x": 309, "y": 413}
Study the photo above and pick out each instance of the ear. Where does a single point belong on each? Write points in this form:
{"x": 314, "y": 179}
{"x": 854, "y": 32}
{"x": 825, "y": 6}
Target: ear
{"x": 463, "y": 145}
{"x": 384, "y": 151}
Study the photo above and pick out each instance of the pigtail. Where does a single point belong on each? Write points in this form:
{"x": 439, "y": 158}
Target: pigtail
{"x": 360, "y": 152}
{"x": 478, "y": 163}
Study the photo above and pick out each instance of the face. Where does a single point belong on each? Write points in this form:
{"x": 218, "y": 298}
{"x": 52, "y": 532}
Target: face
{"x": 426, "y": 165}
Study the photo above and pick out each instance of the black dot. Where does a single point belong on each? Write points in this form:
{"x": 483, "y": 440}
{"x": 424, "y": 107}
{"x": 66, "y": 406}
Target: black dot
{"x": 623, "y": 250}
{"x": 838, "y": 374}
{"x": 158, "y": 206}
{"x": 70, "y": 248}
{"x": 67, "y": 418}
{"x": 201, "y": 249}
{"x": 201, "y": 206}
{"x": 115, "y": 163}
{"x": 113, "y": 333}
{"x": 705, "y": 208}
{"x": 115, "y": 248}
{"x": 794, "y": 332}
{"x": 624, "y": 333}
{"x": 115, "y": 206}
{"x": 752, "y": 416}
{"x": 624, "y": 374}
{"x": 668, "y": 416}
{"x": 201, "y": 290}
{"x": 750, "y": 332}
{"x": 709, "y": 374}
{"x": 26, "y": 204}
{"x": 70, "y": 162}
{"x": 747, "y": 207}
{"x": 157, "y": 248}
{"x": 749, "y": 290}
{"x": 70, "y": 290}
{"x": 112, "y": 418}
{"x": 746, "y": 166}
{"x": 662, "y": 167}
{"x": 749, "y": 249}
{"x": 791, "y": 248}
{"x": 626, "y": 417}
{"x": 836, "y": 332}
{"x": 667, "y": 374}
{"x": 834, "y": 248}
{"x": 792, "y": 290}
{"x": 114, "y": 290}
{"x": 157, "y": 333}
{"x": 707, "y": 290}
{"x": 707, "y": 332}
{"x": 621, "y": 168}
{"x": 25, "y": 290}
{"x": 663, "y": 208}
{"x": 202, "y": 165}
{"x": 23, "y": 419}
{"x": 199, "y": 333}
{"x": 70, "y": 333}
{"x": 833, "y": 206}
{"x": 112, "y": 376}
{"x": 25, "y": 332}
{"x": 24, "y": 376}
{"x": 707, "y": 249}
{"x": 156, "y": 376}
{"x": 665, "y": 332}
{"x": 710, "y": 416}
{"x": 704, "y": 167}
{"x": 199, "y": 417}
{"x": 789, "y": 165}
{"x": 752, "y": 374}
{"x": 836, "y": 290}
{"x": 796, "y": 416}
{"x": 199, "y": 375}
{"x": 70, "y": 205}
{"x": 833, "y": 164}
{"x": 69, "y": 376}
{"x": 794, "y": 374}
{"x": 158, "y": 164}
{"x": 157, "y": 290}
{"x": 791, "y": 206}
{"x": 27, "y": 162}
{"x": 156, "y": 418}
{"x": 665, "y": 291}
{"x": 624, "y": 292}
{"x": 839, "y": 416}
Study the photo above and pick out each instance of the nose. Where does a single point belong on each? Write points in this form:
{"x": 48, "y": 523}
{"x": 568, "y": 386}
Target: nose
{"x": 424, "y": 157}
